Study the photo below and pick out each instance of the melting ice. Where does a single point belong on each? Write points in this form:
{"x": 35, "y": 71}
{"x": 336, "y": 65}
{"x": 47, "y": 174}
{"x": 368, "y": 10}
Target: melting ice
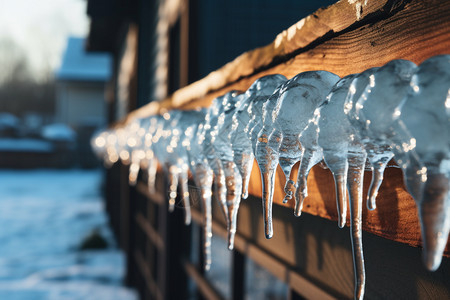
{"x": 398, "y": 111}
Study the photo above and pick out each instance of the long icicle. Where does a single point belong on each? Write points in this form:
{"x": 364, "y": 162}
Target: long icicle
{"x": 203, "y": 180}
{"x": 310, "y": 159}
{"x": 173, "y": 185}
{"x": 183, "y": 180}
{"x": 378, "y": 165}
{"x": 234, "y": 190}
{"x": 356, "y": 167}
{"x": 267, "y": 158}
{"x": 151, "y": 175}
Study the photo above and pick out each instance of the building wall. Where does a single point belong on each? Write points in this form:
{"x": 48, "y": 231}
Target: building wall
{"x": 80, "y": 104}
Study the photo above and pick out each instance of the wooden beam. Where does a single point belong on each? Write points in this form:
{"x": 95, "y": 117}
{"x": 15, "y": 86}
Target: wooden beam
{"x": 156, "y": 197}
{"x": 147, "y": 275}
{"x": 343, "y": 38}
{"x": 275, "y": 266}
{"x": 205, "y": 288}
{"x": 347, "y": 37}
{"x": 149, "y": 231}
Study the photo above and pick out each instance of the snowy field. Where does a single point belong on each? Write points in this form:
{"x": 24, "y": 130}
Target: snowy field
{"x": 44, "y": 216}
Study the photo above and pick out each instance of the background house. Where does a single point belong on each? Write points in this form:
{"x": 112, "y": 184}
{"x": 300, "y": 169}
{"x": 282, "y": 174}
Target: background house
{"x": 80, "y": 89}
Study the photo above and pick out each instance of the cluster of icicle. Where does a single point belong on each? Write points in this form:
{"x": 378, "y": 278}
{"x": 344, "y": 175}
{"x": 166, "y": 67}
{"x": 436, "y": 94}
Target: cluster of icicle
{"x": 399, "y": 111}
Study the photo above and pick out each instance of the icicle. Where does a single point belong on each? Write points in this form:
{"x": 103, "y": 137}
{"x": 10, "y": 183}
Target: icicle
{"x": 266, "y": 155}
{"x": 134, "y": 169}
{"x": 296, "y": 105}
{"x": 183, "y": 180}
{"x": 312, "y": 154}
{"x": 177, "y": 151}
{"x": 99, "y": 144}
{"x": 152, "y": 164}
{"x": 121, "y": 146}
{"x": 173, "y": 185}
{"x": 283, "y": 122}
{"x": 203, "y": 179}
{"x": 164, "y": 141}
{"x": 311, "y": 157}
{"x": 290, "y": 153}
{"x": 218, "y": 151}
{"x": 267, "y": 158}
{"x": 370, "y": 120}
{"x": 170, "y": 157}
{"x": 356, "y": 163}
{"x": 367, "y": 93}
{"x": 246, "y": 118}
{"x": 345, "y": 156}
{"x": 234, "y": 191}
{"x": 223, "y": 149}
{"x": 206, "y": 140}
{"x": 423, "y": 148}
{"x": 336, "y": 135}
{"x": 262, "y": 90}
{"x": 241, "y": 146}
{"x": 151, "y": 175}
{"x": 379, "y": 158}
{"x": 134, "y": 145}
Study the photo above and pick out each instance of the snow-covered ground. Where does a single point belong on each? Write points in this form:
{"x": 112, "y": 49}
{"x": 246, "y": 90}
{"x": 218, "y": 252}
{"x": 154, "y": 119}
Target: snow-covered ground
{"x": 44, "y": 216}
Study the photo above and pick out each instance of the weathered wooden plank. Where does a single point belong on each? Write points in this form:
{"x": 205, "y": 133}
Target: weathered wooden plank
{"x": 420, "y": 30}
{"x": 149, "y": 231}
{"x": 328, "y": 40}
{"x": 156, "y": 197}
{"x": 205, "y": 288}
{"x": 321, "y": 252}
{"x": 147, "y": 275}
{"x": 345, "y": 38}
{"x": 278, "y": 268}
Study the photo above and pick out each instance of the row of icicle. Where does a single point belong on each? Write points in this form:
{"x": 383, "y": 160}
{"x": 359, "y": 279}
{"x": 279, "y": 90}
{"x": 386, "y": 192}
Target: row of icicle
{"x": 399, "y": 111}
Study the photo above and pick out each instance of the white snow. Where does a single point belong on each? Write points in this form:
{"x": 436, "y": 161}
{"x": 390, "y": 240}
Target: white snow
{"x": 25, "y": 145}
{"x": 44, "y": 215}
{"x": 8, "y": 120}
{"x": 58, "y": 132}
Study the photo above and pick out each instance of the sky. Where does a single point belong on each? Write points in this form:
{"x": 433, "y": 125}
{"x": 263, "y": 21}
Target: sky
{"x": 41, "y": 28}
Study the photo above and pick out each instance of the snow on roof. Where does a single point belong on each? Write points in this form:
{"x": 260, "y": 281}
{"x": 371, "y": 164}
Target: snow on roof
{"x": 8, "y": 120}
{"x": 25, "y": 145}
{"x": 77, "y": 64}
{"x": 58, "y": 132}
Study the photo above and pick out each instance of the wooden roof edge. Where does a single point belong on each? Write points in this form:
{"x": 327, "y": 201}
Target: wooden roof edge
{"x": 335, "y": 18}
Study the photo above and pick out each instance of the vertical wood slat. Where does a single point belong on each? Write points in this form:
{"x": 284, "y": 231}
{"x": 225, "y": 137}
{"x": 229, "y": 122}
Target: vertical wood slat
{"x": 152, "y": 235}
{"x": 156, "y": 198}
{"x": 238, "y": 275}
{"x": 279, "y": 269}
{"x": 162, "y": 256}
{"x": 292, "y": 295}
{"x": 150, "y": 283}
{"x": 184, "y": 44}
{"x": 203, "y": 285}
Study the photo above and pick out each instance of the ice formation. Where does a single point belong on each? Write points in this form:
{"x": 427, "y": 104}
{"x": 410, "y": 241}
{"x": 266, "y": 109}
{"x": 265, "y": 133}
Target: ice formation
{"x": 233, "y": 178}
{"x": 422, "y": 148}
{"x": 247, "y": 121}
{"x": 227, "y": 179}
{"x": 203, "y": 178}
{"x": 345, "y": 156}
{"x": 283, "y": 121}
{"x": 398, "y": 111}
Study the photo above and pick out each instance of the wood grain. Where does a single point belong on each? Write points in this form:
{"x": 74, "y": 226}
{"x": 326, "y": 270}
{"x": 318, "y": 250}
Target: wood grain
{"x": 344, "y": 38}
